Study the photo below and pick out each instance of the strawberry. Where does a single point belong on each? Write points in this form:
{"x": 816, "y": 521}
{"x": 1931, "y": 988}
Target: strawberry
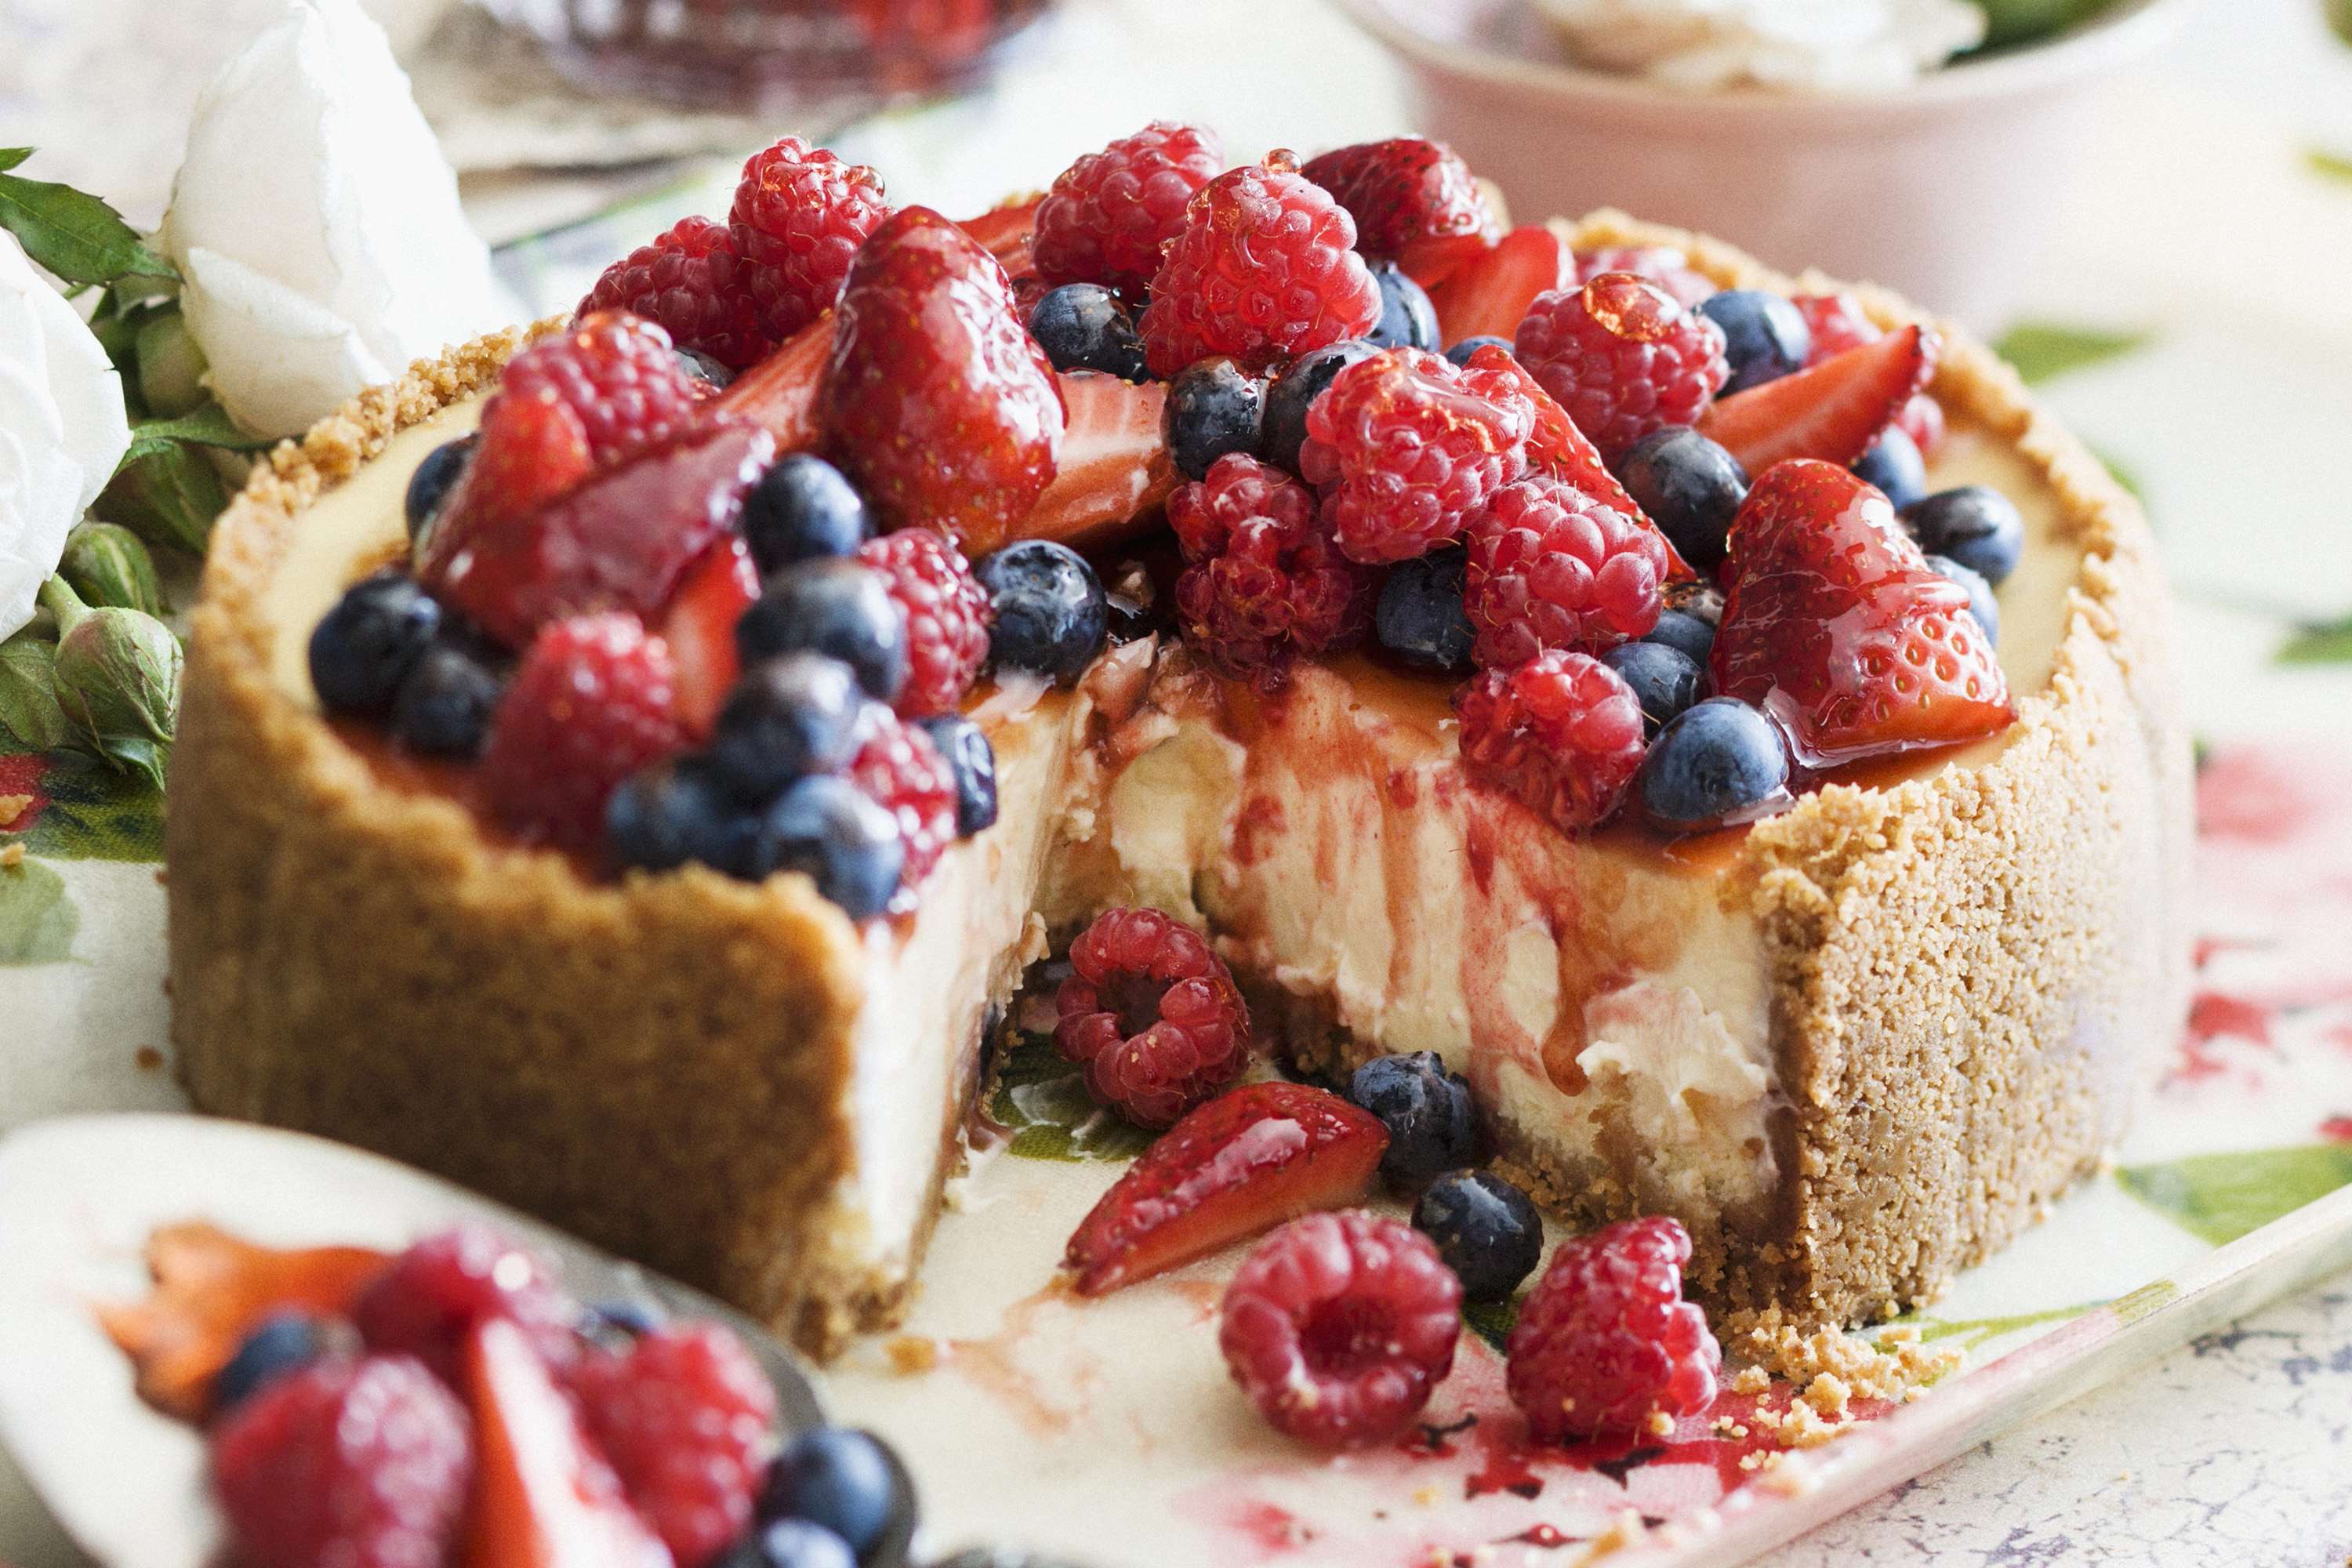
{"x": 1490, "y": 294}
{"x": 699, "y": 627}
{"x": 1834, "y": 624}
{"x": 1244, "y": 1162}
{"x": 1006, "y": 233}
{"x": 530, "y": 450}
{"x": 1114, "y": 467}
{"x": 936, "y": 397}
{"x": 1834, "y": 411}
{"x": 779, "y": 395}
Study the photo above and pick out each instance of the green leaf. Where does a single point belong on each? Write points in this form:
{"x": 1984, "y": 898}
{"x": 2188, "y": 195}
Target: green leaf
{"x": 209, "y": 425}
{"x": 1043, "y": 1099}
{"x": 2319, "y": 642}
{"x": 30, "y": 718}
{"x": 38, "y": 920}
{"x": 2220, "y": 1197}
{"x": 2327, "y": 164}
{"x": 2041, "y": 350}
{"x": 2339, "y": 17}
{"x": 2008, "y": 23}
{"x": 168, "y": 496}
{"x": 95, "y": 813}
{"x": 74, "y": 235}
{"x": 12, "y": 156}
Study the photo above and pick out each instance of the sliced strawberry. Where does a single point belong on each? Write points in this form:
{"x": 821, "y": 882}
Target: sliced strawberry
{"x": 1834, "y": 625}
{"x": 1488, "y": 297}
{"x": 1005, "y": 233}
{"x": 779, "y": 395}
{"x": 530, "y": 451}
{"x": 1114, "y": 467}
{"x": 699, "y": 627}
{"x": 1430, "y": 260}
{"x": 543, "y": 1496}
{"x": 1834, "y": 411}
{"x": 622, "y": 539}
{"x": 1246, "y": 1162}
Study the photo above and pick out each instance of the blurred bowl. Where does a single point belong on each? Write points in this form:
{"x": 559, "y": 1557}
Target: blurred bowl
{"x": 1944, "y": 190}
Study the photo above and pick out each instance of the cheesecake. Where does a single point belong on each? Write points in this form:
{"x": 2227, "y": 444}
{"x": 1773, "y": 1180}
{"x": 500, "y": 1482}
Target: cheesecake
{"x": 1855, "y": 1040}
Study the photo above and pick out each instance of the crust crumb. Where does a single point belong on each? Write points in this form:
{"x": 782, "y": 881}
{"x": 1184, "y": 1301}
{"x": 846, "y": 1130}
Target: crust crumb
{"x": 11, "y": 855}
{"x": 911, "y": 1353}
{"x": 1626, "y": 1530}
{"x": 1832, "y": 1367}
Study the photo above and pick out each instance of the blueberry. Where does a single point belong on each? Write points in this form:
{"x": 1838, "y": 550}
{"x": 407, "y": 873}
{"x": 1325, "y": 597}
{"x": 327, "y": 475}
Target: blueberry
{"x": 1419, "y": 617}
{"x": 1689, "y": 487}
{"x": 1895, "y": 467}
{"x": 1712, "y": 765}
{"x": 802, "y": 508}
{"x": 789, "y": 1543}
{"x": 704, "y": 369}
{"x": 443, "y": 707}
{"x": 672, "y": 812}
{"x": 366, "y": 647}
{"x": 852, "y": 1484}
{"x": 1408, "y": 320}
{"x": 973, "y": 762}
{"x": 1665, "y": 680}
{"x": 1287, "y": 401}
{"x": 835, "y": 607}
{"x": 1213, "y": 407}
{"x": 1051, "y": 614}
{"x": 1764, "y": 337}
{"x": 1487, "y": 1230}
{"x": 848, "y": 845}
{"x": 1082, "y": 326}
{"x": 1982, "y": 603}
{"x": 1975, "y": 525}
{"x": 1460, "y": 353}
{"x": 786, "y": 717}
{"x": 429, "y": 486}
{"x": 618, "y": 1318}
{"x": 280, "y": 1343}
{"x": 1685, "y": 633}
{"x": 1426, "y": 1110}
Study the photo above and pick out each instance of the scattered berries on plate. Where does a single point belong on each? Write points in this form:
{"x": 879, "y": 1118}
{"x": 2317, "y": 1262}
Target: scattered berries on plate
{"x": 1408, "y": 448}
{"x": 972, "y": 761}
{"x": 1551, "y": 567}
{"x": 835, "y": 607}
{"x": 1109, "y": 214}
{"x": 691, "y": 282}
{"x": 428, "y": 1297}
{"x": 1051, "y": 614}
{"x": 281, "y": 1344}
{"x": 1975, "y": 525}
{"x": 850, "y": 1483}
{"x": 1485, "y": 1228}
{"x": 1214, "y": 407}
{"x": 1605, "y": 1341}
{"x": 590, "y": 704}
{"x": 800, "y": 214}
{"x": 1265, "y": 580}
{"x": 947, "y": 615}
{"x": 1420, "y": 617}
{"x": 1427, "y": 1108}
{"x": 802, "y": 508}
{"x": 1561, "y": 733}
{"x": 1622, "y": 357}
{"x": 1689, "y": 487}
{"x": 1083, "y": 326}
{"x": 1716, "y": 762}
{"x": 685, "y": 1417}
{"x": 1152, "y": 1014}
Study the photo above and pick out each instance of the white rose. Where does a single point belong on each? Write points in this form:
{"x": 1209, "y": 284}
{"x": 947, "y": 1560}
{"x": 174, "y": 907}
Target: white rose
{"x": 316, "y": 224}
{"x": 1822, "y": 45}
{"x": 62, "y": 428}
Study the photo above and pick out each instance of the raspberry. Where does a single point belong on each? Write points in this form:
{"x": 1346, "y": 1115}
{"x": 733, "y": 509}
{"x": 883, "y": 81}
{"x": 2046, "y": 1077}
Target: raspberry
{"x": 1265, "y": 581}
{"x": 800, "y": 214}
{"x": 1401, "y": 190}
{"x": 1622, "y": 357}
{"x": 902, "y": 770}
{"x": 947, "y": 616}
{"x": 1338, "y": 1325}
{"x": 692, "y": 283}
{"x": 1264, "y": 269}
{"x": 1661, "y": 264}
{"x": 1408, "y": 448}
{"x": 1152, "y": 1016}
{"x": 1551, "y": 566}
{"x": 1838, "y": 324}
{"x": 1605, "y": 1340}
{"x": 688, "y": 1419}
{"x": 1922, "y": 419}
{"x": 618, "y": 372}
{"x": 590, "y": 704}
{"x": 428, "y": 1297}
{"x": 1110, "y": 214}
{"x": 359, "y": 1463}
{"x": 1562, "y": 733}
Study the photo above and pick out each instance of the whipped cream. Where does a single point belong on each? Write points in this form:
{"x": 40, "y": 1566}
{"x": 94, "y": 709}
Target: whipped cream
{"x": 62, "y": 428}
{"x": 317, "y": 225}
{"x": 1814, "y": 46}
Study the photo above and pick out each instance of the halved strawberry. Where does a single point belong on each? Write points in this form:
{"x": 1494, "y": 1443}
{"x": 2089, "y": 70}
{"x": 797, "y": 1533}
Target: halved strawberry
{"x": 530, "y": 450}
{"x": 1834, "y": 411}
{"x": 1006, "y": 232}
{"x": 1246, "y": 1162}
{"x": 1490, "y": 295}
{"x": 543, "y": 1496}
{"x": 1114, "y": 467}
{"x": 1834, "y": 625}
{"x": 699, "y": 627}
{"x": 1432, "y": 260}
{"x": 779, "y": 395}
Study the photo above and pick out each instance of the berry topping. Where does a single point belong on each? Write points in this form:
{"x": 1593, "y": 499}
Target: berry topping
{"x": 839, "y": 608}
{"x": 1408, "y": 320}
{"x": 790, "y": 1543}
{"x": 799, "y": 216}
{"x": 1409, "y": 446}
{"x": 1082, "y": 326}
{"x": 1557, "y": 446}
{"x": 699, "y": 627}
{"x": 1689, "y": 487}
{"x": 1551, "y": 567}
{"x": 590, "y": 704}
{"x": 672, "y": 812}
{"x": 1982, "y": 603}
{"x": 1433, "y": 1125}
{"x": 1338, "y": 1325}
{"x": 362, "y": 649}
{"x": 1764, "y": 338}
{"x": 429, "y": 486}
{"x": 1834, "y": 625}
{"x": 1665, "y": 680}
{"x": 1487, "y": 1230}
{"x": 1719, "y": 762}
{"x": 1296, "y": 390}
{"x": 692, "y": 283}
{"x": 780, "y": 393}
{"x": 528, "y": 451}
{"x": 1605, "y": 1341}
{"x": 1834, "y": 323}
{"x": 1622, "y": 357}
{"x": 802, "y": 508}
{"x": 1662, "y": 264}
{"x": 1561, "y": 733}
{"x": 937, "y": 399}
{"x": 1264, "y": 269}
{"x": 1050, "y": 611}
{"x": 1246, "y": 1162}
{"x": 685, "y": 1417}
{"x": 1493, "y": 293}
{"x": 1895, "y": 467}
{"x": 1404, "y": 193}
{"x": 1213, "y": 407}
{"x": 618, "y": 372}
{"x": 1152, "y": 1016}
{"x": 1922, "y": 419}
{"x": 361, "y": 1463}
{"x": 946, "y": 611}
{"x": 849, "y": 1483}
{"x": 1975, "y": 525}
{"x": 444, "y": 706}
{"x": 1690, "y": 635}
{"x": 1108, "y": 215}
{"x": 1114, "y": 467}
{"x": 429, "y": 1297}
{"x": 901, "y": 771}
{"x": 1834, "y": 411}
{"x": 1419, "y": 617}
{"x": 973, "y": 762}
{"x": 1265, "y": 580}
{"x": 832, "y": 831}
{"x": 1461, "y": 352}
{"x": 790, "y": 716}
{"x": 282, "y": 1343}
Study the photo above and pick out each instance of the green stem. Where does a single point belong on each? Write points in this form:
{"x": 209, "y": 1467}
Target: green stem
{"x": 58, "y": 599}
